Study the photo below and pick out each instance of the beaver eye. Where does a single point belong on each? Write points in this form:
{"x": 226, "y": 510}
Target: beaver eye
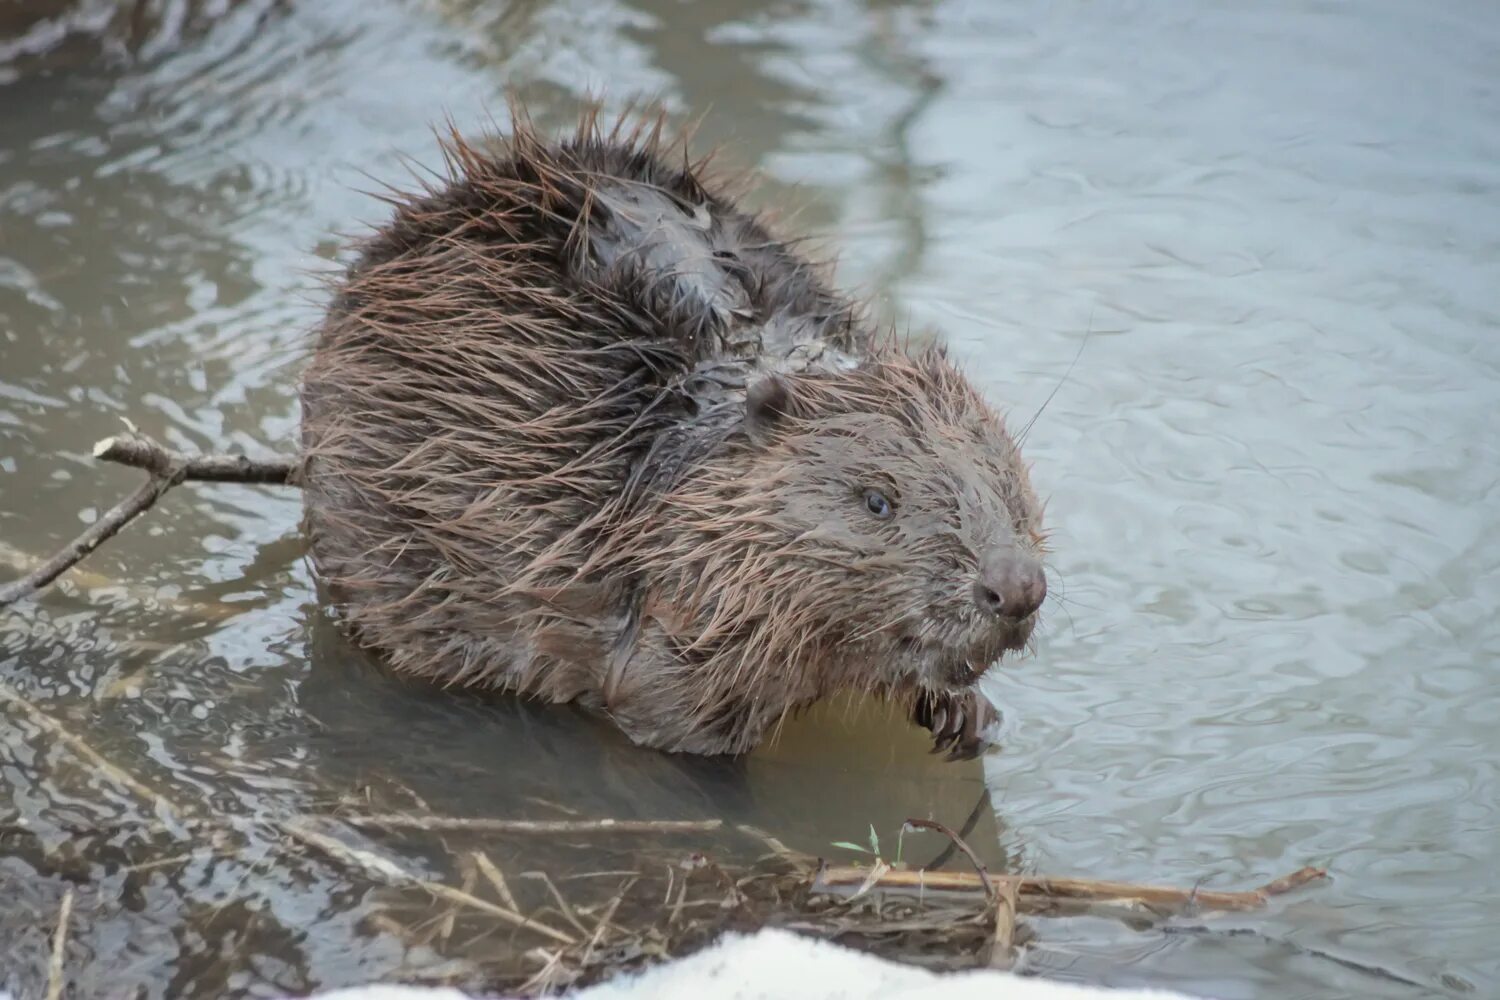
{"x": 877, "y": 504}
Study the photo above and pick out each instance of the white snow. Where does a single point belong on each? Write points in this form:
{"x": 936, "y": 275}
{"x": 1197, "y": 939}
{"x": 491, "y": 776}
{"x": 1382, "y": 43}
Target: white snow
{"x": 777, "y": 965}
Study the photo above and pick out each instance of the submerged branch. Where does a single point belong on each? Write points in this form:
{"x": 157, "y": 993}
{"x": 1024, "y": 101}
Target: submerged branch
{"x": 449, "y": 824}
{"x": 1036, "y": 889}
{"x": 163, "y": 807}
{"x": 56, "y": 978}
{"x": 165, "y": 469}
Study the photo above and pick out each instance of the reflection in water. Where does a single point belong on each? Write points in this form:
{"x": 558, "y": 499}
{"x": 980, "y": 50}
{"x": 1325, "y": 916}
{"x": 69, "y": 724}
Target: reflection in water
{"x": 1272, "y": 475}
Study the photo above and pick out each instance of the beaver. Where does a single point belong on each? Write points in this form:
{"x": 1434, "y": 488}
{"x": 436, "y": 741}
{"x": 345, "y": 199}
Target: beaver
{"x": 578, "y": 426}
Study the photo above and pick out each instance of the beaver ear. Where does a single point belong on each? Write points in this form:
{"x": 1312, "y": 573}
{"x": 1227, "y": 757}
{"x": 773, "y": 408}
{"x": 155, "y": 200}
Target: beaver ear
{"x": 768, "y": 403}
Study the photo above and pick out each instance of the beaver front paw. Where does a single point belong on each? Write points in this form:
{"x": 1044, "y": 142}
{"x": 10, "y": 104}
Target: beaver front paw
{"x": 959, "y": 723}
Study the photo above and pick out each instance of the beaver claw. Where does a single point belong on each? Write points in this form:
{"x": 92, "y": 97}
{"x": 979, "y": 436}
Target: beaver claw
{"x": 958, "y": 722}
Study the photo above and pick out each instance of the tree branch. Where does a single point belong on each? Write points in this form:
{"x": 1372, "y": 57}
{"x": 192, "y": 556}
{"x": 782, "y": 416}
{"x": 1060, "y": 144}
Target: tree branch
{"x": 141, "y": 452}
{"x": 932, "y": 824}
{"x": 166, "y": 468}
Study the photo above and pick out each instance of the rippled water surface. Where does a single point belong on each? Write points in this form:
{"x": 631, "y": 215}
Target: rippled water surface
{"x": 1252, "y": 249}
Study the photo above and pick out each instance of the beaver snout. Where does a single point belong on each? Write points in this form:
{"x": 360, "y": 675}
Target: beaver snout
{"x": 1010, "y": 585}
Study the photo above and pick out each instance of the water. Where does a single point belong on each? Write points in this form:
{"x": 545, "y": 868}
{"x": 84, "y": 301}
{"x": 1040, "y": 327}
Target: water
{"x": 1267, "y": 235}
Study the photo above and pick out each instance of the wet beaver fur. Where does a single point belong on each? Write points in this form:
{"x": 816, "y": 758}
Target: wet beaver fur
{"x": 578, "y": 427}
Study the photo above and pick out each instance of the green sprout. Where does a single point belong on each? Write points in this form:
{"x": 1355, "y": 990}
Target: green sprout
{"x": 874, "y": 844}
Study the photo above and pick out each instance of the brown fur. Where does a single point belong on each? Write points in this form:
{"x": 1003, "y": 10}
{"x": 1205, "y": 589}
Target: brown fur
{"x": 578, "y": 427}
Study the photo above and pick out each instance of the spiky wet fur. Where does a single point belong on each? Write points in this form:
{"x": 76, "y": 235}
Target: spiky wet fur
{"x": 529, "y": 463}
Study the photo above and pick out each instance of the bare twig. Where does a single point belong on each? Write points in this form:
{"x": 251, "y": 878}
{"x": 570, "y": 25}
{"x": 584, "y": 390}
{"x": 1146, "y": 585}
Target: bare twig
{"x": 603, "y": 924}
{"x": 165, "y": 468}
{"x": 557, "y": 897}
{"x": 100, "y": 531}
{"x": 1378, "y": 971}
{"x": 55, "y": 977}
{"x": 405, "y": 821}
{"x": 1035, "y": 890}
{"x": 932, "y": 824}
{"x": 466, "y": 884}
{"x": 141, "y": 452}
{"x": 489, "y": 870}
{"x": 549, "y": 975}
{"x": 981, "y": 805}
{"x": 22, "y": 561}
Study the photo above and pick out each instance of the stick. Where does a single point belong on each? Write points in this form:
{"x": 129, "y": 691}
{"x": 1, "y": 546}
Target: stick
{"x": 100, "y": 531}
{"x": 141, "y": 452}
{"x": 22, "y": 562}
{"x": 403, "y": 821}
{"x": 55, "y": 980}
{"x": 932, "y": 824}
{"x": 562, "y": 904}
{"x": 1041, "y": 889}
{"x": 166, "y": 468}
{"x": 492, "y": 872}
{"x": 967, "y": 828}
{"x": 603, "y": 924}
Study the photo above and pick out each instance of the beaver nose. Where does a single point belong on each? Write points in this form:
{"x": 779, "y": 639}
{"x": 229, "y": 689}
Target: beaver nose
{"x": 1010, "y": 586}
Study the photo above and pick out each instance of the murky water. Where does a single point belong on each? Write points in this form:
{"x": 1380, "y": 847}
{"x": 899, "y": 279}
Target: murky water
{"x": 1272, "y": 232}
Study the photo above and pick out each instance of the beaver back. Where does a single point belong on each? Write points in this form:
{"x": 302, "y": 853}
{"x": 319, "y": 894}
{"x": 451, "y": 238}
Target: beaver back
{"x": 523, "y": 347}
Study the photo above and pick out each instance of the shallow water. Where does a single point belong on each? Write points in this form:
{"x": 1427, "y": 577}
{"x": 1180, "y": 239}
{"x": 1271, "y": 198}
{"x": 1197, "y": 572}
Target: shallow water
{"x": 1252, "y": 251}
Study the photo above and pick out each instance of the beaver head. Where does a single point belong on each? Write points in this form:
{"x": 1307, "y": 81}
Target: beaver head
{"x": 872, "y": 528}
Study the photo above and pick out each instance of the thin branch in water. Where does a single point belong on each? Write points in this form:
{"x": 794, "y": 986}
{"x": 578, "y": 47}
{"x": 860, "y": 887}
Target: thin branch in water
{"x": 970, "y": 821}
{"x": 164, "y": 807}
{"x": 432, "y": 824}
{"x": 562, "y": 904}
{"x": 100, "y": 531}
{"x": 1380, "y": 972}
{"x": 777, "y": 847}
{"x": 56, "y": 979}
{"x": 945, "y": 830}
{"x": 165, "y": 469}
{"x": 491, "y": 871}
{"x": 603, "y": 924}
{"x": 1036, "y": 891}
{"x": 466, "y": 884}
